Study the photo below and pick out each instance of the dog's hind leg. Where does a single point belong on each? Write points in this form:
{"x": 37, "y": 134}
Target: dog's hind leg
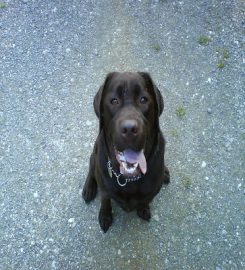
{"x": 90, "y": 186}
{"x": 166, "y": 176}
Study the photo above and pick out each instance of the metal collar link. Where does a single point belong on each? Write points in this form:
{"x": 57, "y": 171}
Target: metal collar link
{"x": 127, "y": 180}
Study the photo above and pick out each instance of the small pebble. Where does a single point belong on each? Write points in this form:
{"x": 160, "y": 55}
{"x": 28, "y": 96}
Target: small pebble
{"x": 71, "y": 220}
{"x": 88, "y": 123}
{"x": 53, "y": 264}
{"x": 209, "y": 110}
{"x": 224, "y": 232}
{"x": 204, "y": 164}
{"x": 156, "y": 217}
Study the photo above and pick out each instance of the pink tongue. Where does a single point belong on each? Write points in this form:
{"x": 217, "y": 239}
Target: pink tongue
{"x": 133, "y": 157}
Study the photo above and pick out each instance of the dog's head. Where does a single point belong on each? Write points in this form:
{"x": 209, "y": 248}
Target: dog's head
{"x": 128, "y": 106}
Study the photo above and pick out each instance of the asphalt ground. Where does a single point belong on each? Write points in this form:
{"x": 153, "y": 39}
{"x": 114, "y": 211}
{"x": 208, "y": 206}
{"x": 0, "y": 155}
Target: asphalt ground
{"x": 54, "y": 57}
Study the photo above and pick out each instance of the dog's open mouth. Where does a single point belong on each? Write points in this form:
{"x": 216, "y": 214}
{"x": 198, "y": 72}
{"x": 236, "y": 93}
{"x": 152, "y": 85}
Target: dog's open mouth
{"x": 131, "y": 163}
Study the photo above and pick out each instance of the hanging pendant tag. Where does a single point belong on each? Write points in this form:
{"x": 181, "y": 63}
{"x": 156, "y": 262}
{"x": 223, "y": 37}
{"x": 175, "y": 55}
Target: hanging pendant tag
{"x": 109, "y": 168}
{"x": 109, "y": 172}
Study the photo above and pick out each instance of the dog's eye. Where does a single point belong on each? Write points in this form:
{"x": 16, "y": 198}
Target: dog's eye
{"x": 114, "y": 101}
{"x": 143, "y": 100}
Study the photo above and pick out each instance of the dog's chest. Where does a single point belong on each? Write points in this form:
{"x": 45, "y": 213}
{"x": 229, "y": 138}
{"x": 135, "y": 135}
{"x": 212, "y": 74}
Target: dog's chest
{"x": 131, "y": 195}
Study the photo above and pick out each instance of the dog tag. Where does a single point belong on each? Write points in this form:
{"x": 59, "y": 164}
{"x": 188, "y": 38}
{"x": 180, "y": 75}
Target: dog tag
{"x": 110, "y": 172}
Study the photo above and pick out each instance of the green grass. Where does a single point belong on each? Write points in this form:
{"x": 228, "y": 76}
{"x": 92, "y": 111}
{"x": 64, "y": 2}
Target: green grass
{"x": 174, "y": 133}
{"x": 223, "y": 53}
{"x": 187, "y": 182}
{"x": 226, "y": 54}
{"x": 2, "y": 5}
{"x": 180, "y": 111}
{"x": 221, "y": 64}
{"x": 204, "y": 40}
{"x": 156, "y": 47}
{"x": 223, "y": 56}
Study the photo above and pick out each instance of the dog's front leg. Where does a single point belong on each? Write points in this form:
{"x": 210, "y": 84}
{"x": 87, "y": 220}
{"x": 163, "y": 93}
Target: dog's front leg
{"x": 105, "y": 214}
{"x": 144, "y": 212}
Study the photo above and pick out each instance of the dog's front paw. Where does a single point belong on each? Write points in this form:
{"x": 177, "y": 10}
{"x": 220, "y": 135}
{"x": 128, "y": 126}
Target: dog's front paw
{"x": 89, "y": 190}
{"x": 144, "y": 213}
{"x": 105, "y": 220}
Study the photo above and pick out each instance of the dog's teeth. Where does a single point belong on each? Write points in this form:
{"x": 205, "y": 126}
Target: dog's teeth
{"x": 130, "y": 169}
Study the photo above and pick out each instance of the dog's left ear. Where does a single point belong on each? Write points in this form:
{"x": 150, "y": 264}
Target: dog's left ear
{"x": 150, "y": 84}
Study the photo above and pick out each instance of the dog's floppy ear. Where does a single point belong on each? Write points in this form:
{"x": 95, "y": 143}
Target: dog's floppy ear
{"x": 97, "y": 100}
{"x": 158, "y": 96}
{"x": 99, "y": 97}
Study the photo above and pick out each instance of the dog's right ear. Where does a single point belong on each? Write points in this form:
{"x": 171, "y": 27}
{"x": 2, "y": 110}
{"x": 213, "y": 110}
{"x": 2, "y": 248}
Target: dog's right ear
{"x": 97, "y": 100}
{"x": 99, "y": 97}
{"x": 99, "y": 94}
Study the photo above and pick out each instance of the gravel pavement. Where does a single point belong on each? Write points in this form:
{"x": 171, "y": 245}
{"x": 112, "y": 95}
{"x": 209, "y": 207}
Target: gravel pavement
{"x": 54, "y": 56}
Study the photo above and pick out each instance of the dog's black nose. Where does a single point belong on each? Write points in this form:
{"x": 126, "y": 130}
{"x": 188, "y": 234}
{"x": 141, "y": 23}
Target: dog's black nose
{"x": 129, "y": 128}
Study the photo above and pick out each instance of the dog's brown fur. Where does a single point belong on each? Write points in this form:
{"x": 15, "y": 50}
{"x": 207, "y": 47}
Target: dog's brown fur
{"x": 128, "y": 90}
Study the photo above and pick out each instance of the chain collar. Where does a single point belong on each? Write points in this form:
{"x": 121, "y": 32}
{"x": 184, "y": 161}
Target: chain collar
{"x": 126, "y": 180}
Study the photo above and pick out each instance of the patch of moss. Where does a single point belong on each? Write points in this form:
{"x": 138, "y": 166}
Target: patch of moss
{"x": 174, "y": 133}
{"x": 226, "y": 54}
{"x": 2, "y": 5}
{"x": 156, "y": 47}
{"x": 204, "y": 40}
{"x": 180, "y": 111}
{"x": 223, "y": 53}
{"x": 187, "y": 182}
{"x": 243, "y": 136}
{"x": 221, "y": 64}
{"x": 223, "y": 56}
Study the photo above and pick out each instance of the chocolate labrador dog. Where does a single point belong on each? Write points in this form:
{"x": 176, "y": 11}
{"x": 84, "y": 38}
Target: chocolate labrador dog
{"x": 127, "y": 163}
